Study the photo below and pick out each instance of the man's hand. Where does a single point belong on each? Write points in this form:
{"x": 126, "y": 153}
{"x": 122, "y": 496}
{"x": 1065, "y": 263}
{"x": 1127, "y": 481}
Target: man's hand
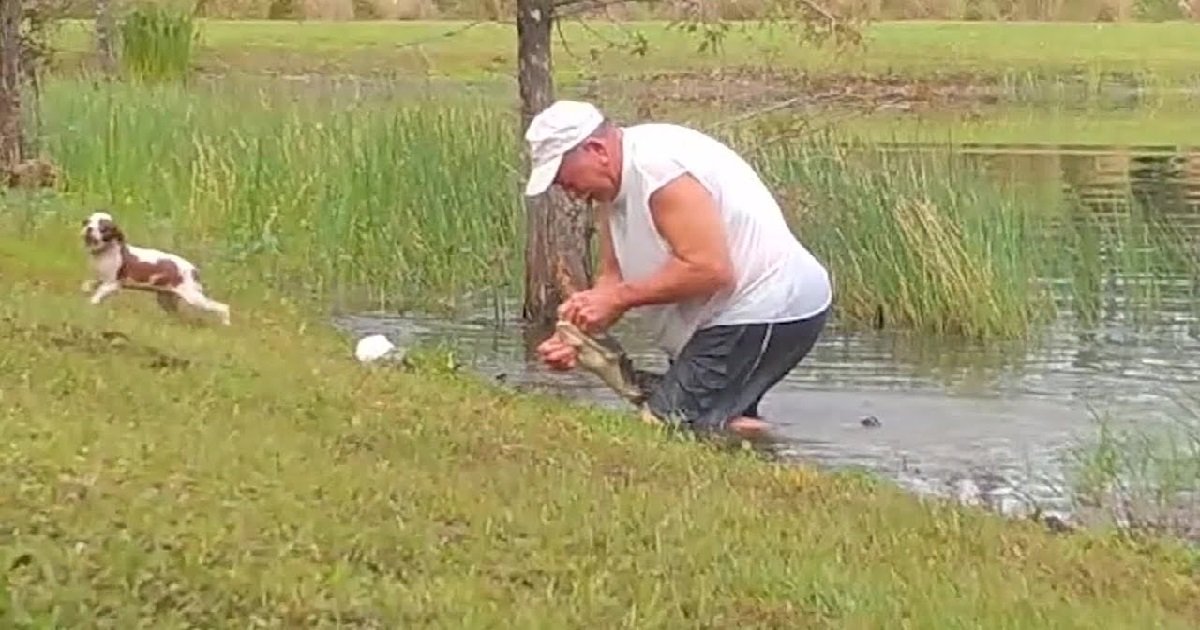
{"x": 594, "y": 310}
{"x": 557, "y": 354}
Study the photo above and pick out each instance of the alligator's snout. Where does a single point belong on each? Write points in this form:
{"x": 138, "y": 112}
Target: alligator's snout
{"x": 606, "y": 359}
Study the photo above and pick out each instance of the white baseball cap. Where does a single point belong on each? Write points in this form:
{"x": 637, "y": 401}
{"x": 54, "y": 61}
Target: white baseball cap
{"x": 553, "y": 132}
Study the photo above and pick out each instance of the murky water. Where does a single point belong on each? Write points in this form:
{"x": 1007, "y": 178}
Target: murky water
{"x": 957, "y": 419}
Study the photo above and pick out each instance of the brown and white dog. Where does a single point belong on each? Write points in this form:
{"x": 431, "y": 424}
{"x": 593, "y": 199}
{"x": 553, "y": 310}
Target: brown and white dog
{"x": 119, "y": 265}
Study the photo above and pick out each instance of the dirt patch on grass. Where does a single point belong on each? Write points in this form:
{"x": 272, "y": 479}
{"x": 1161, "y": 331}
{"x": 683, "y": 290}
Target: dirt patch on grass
{"x": 74, "y": 339}
{"x": 742, "y": 88}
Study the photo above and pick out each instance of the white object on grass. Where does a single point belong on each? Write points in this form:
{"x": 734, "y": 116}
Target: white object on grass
{"x": 372, "y": 347}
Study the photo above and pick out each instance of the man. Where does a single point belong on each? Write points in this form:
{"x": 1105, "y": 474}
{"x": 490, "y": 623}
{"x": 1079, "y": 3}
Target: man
{"x": 690, "y": 235}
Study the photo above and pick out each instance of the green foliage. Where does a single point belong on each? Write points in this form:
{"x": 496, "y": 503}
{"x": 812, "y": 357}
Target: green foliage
{"x": 385, "y": 203}
{"x": 389, "y": 204}
{"x": 158, "y": 41}
{"x": 913, "y": 242}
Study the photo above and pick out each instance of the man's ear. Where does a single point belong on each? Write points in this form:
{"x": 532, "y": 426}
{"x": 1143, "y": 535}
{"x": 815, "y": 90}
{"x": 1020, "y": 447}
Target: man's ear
{"x": 597, "y": 146}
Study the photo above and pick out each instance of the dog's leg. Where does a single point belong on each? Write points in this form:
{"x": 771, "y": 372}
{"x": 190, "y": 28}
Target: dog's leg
{"x": 168, "y": 302}
{"x": 196, "y": 298}
{"x": 104, "y": 290}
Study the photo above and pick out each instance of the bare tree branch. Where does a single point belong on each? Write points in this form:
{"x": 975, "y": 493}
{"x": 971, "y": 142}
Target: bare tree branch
{"x": 446, "y": 35}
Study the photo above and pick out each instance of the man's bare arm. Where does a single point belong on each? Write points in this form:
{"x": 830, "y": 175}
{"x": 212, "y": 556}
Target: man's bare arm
{"x": 687, "y": 217}
{"x": 609, "y": 274}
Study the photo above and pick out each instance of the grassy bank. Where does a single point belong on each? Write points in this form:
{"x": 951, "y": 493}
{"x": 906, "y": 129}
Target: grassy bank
{"x": 201, "y": 475}
{"x": 1162, "y": 53}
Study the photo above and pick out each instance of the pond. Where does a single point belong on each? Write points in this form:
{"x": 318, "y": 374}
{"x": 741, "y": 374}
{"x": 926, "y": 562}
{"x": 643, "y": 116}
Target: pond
{"x": 994, "y": 423}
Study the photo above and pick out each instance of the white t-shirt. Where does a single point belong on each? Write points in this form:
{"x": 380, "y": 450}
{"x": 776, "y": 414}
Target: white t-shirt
{"x": 776, "y": 278}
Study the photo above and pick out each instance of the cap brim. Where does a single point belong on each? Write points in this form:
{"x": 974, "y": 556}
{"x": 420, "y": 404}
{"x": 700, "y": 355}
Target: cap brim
{"x": 541, "y": 176}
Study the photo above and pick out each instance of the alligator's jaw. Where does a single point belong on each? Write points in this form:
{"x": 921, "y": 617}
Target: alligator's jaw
{"x": 606, "y": 360}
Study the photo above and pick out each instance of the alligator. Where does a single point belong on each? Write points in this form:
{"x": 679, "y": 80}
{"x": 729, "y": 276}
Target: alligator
{"x": 604, "y": 356}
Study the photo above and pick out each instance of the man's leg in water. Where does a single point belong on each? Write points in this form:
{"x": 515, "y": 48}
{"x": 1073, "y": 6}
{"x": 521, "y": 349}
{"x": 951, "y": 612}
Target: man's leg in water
{"x": 723, "y": 372}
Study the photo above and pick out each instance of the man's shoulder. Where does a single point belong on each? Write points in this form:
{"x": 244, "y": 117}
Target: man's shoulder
{"x": 657, "y": 141}
{"x": 652, "y": 144}
{"x": 656, "y": 129}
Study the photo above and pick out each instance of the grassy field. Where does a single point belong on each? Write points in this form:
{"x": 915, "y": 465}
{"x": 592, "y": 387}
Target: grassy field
{"x": 1162, "y": 53}
{"x": 1165, "y": 126}
{"x": 156, "y": 470}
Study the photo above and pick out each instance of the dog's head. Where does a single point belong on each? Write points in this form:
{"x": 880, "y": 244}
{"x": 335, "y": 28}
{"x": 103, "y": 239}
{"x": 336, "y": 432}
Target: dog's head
{"x": 100, "y": 230}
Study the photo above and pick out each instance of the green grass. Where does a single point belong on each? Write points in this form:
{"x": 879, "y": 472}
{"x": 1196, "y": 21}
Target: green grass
{"x": 272, "y": 480}
{"x": 409, "y": 204}
{"x": 415, "y": 202}
{"x": 919, "y": 244}
{"x": 397, "y": 204}
{"x": 1054, "y": 126}
{"x": 1163, "y": 53}
{"x": 157, "y": 42}
{"x": 1147, "y": 477}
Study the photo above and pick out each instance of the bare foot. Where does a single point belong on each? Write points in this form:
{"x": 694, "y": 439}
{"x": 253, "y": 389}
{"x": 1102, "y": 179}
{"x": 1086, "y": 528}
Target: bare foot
{"x": 748, "y": 427}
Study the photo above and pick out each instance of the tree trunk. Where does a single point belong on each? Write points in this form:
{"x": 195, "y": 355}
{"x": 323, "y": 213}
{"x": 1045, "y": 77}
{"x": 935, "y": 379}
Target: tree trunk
{"x": 105, "y": 32}
{"x": 10, "y": 83}
{"x": 556, "y": 229}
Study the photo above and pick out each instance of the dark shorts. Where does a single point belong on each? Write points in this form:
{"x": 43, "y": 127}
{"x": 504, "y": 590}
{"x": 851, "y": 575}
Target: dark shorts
{"x": 724, "y": 371}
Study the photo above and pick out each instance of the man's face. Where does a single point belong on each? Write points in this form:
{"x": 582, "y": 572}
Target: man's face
{"x": 587, "y": 172}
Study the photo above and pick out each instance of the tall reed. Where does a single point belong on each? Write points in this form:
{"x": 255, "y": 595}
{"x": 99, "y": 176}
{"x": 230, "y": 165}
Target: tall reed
{"x": 1134, "y": 263}
{"x": 157, "y": 41}
{"x": 912, "y": 242}
{"x": 387, "y": 203}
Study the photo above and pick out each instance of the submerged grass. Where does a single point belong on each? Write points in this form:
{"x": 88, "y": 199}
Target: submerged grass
{"x": 1143, "y": 479}
{"x": 1129, "y": 259}
{"x": 160, "y": 471}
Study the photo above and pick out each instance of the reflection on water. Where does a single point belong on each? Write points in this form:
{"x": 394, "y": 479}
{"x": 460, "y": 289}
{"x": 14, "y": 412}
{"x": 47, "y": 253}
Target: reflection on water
{"x": 962, "y": 419}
